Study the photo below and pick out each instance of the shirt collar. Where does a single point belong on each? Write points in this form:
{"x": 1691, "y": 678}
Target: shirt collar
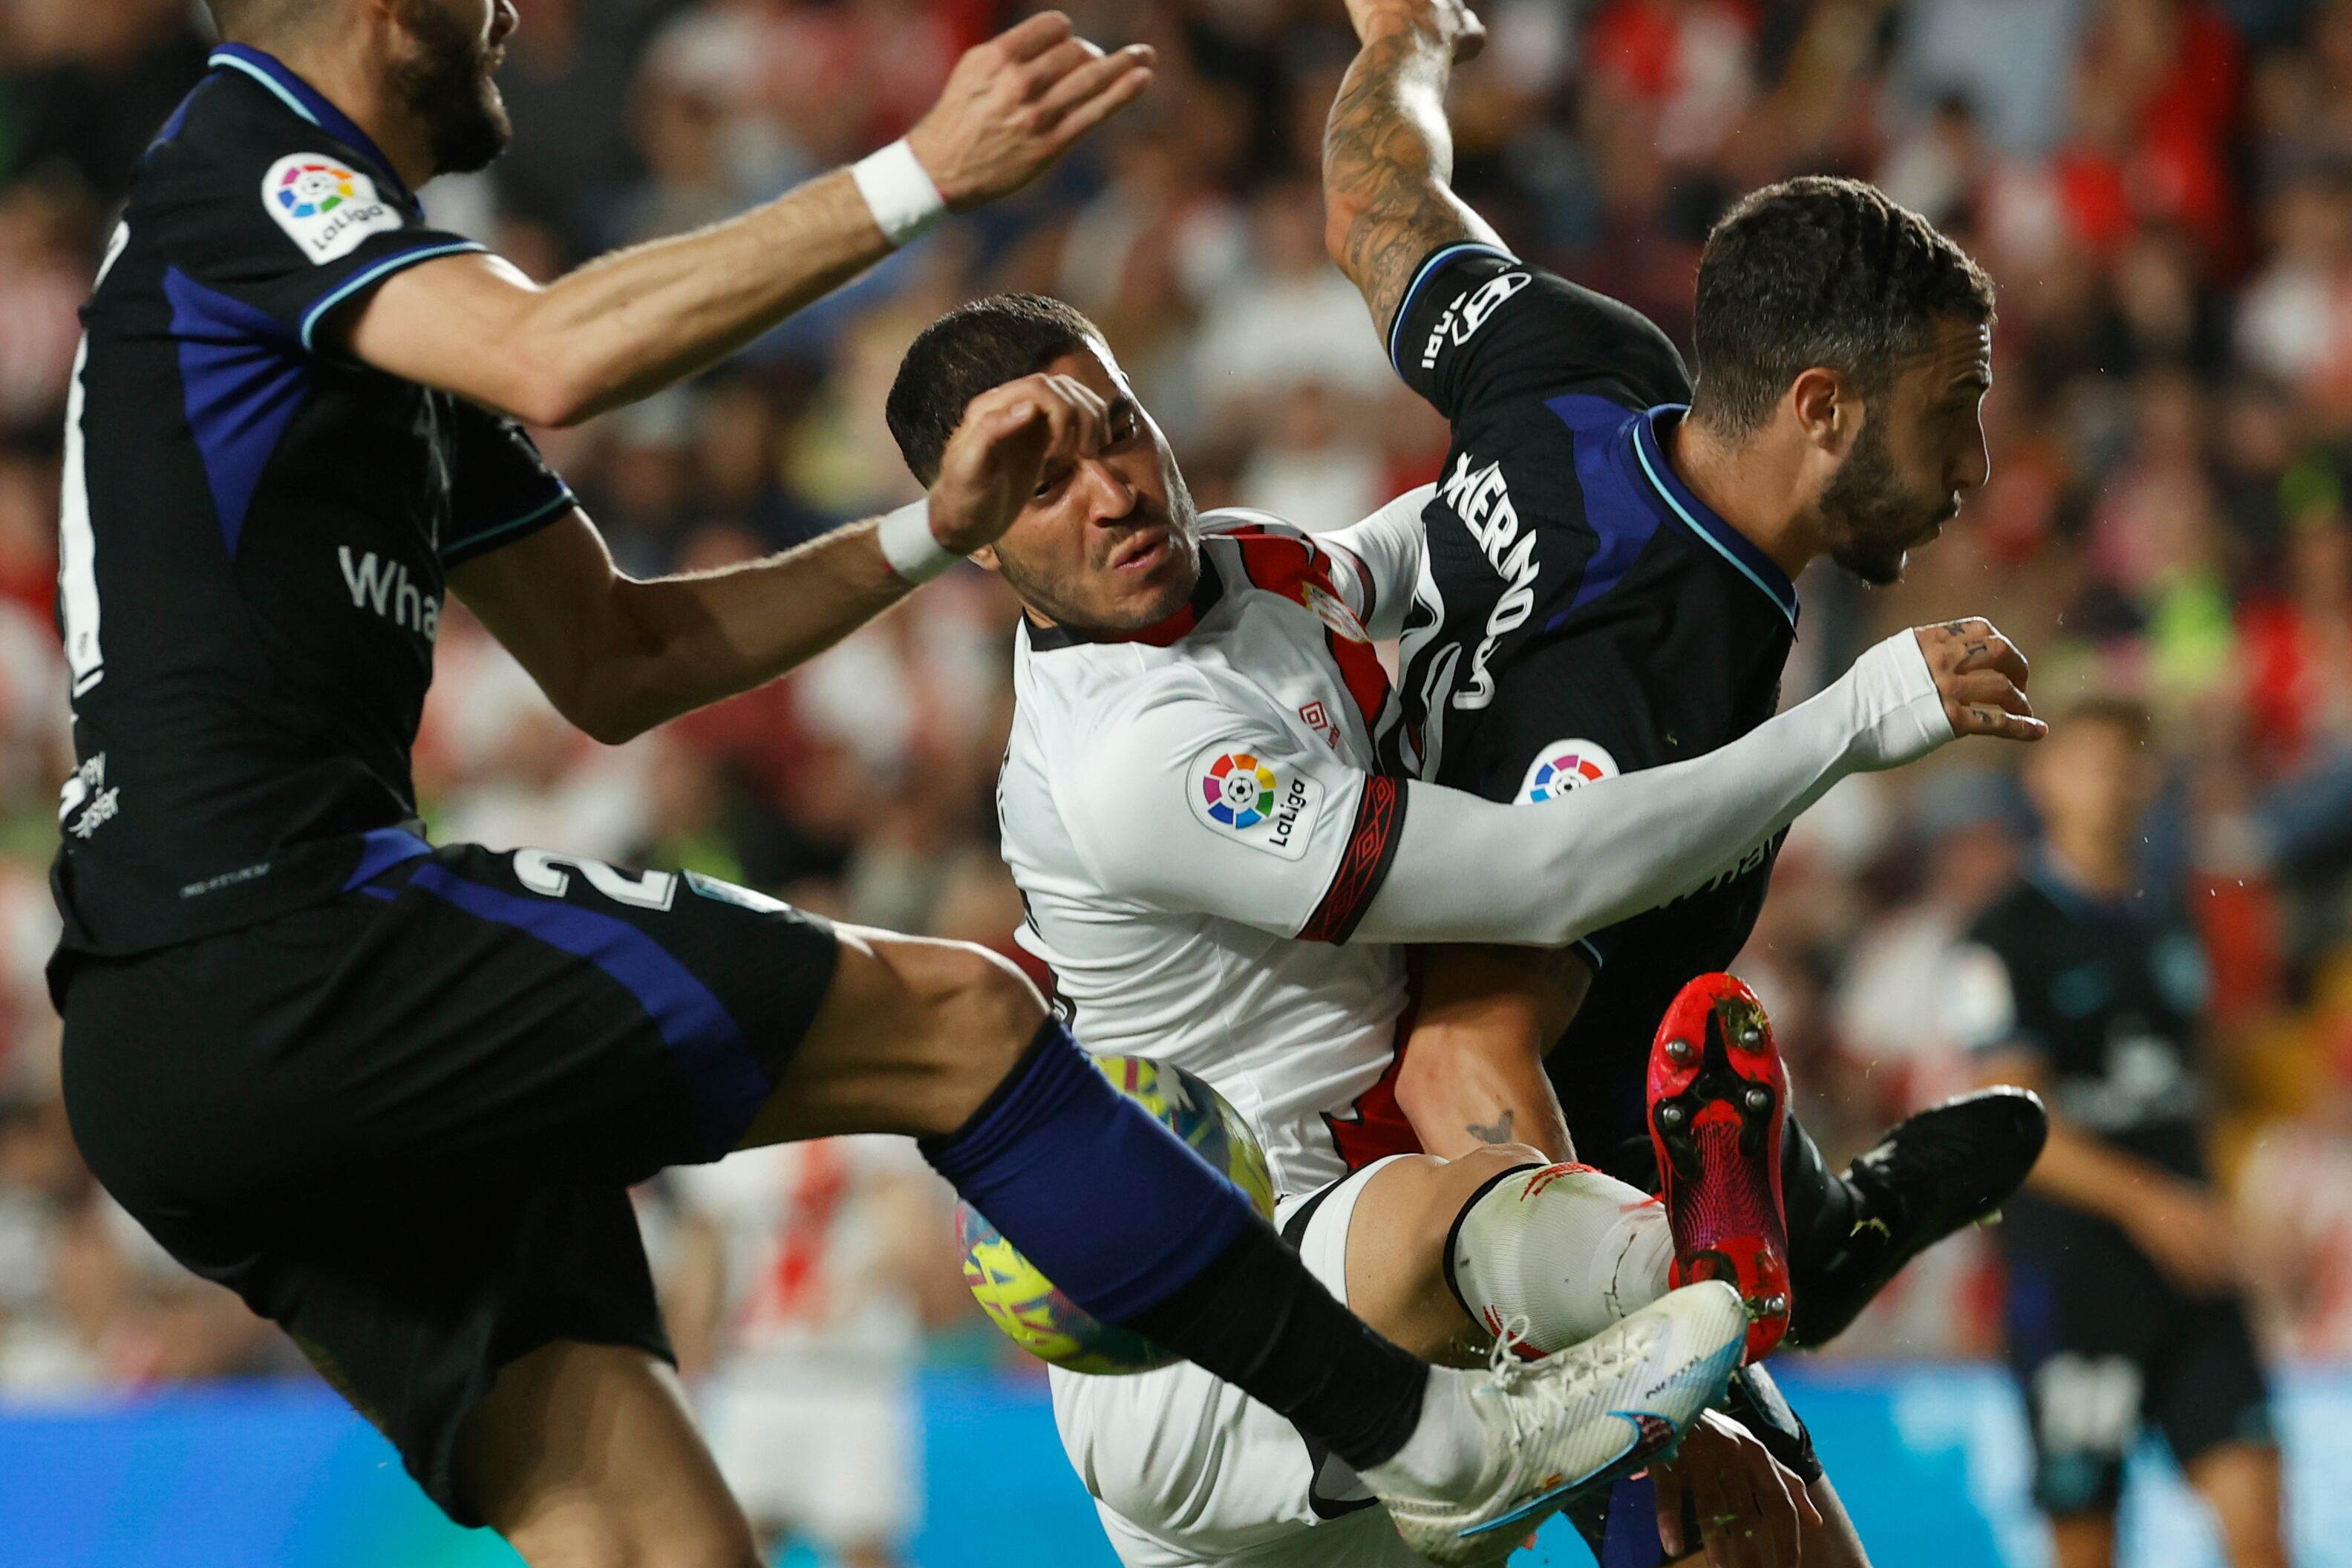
{"x": 309, "y": 103}
{"x": 1160, "y": 634}
{"x": 1701, "y": 518}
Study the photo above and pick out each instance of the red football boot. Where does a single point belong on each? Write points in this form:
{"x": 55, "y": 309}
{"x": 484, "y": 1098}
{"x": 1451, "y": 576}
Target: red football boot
{"x": 1718, "y": 1096}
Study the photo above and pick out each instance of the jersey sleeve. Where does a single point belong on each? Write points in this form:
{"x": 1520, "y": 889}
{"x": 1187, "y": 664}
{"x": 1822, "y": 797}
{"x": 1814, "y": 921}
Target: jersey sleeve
{"x": 1379, "y": 562}
{"x": 287, "y": 229}
{"x": 1195, "y": 803}
{"x": 1479, "y": 327}
{"x": 501, "y": 489}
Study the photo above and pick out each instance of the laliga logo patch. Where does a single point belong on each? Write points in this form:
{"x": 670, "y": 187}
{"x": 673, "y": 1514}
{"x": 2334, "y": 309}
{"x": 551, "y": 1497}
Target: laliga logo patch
{"x": 324, "y": 208}
{"x": 1233, "y": 792}
{"x": 1564, "y": 765}
{"x": 1239, "y": 790}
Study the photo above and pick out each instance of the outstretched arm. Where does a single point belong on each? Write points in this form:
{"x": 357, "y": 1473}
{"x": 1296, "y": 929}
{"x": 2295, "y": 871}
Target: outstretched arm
{"x": 628, "y": 324}
{"x": 1198, "y": 801}
{"x": 1388, "y": 154}
{"x": 617, "y": 655}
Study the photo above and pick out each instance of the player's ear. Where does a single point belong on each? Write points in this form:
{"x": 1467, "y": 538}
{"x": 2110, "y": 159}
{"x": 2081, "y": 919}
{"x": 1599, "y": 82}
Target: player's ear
{"x": 1827, "y": 409}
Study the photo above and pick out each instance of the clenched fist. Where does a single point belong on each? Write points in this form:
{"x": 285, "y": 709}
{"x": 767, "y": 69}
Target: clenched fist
{"x": 1010, "y": 437}
{"x": 1981, "y": 678}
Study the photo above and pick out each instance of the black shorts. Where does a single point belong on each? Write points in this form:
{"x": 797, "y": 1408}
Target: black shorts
{"x": 2103, "y": 1345}
{"x": 404, "y": 1123}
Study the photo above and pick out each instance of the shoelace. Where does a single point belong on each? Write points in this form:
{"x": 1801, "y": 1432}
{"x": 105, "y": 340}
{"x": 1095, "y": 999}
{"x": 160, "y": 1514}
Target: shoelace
{"x": 1552, "y": 1379}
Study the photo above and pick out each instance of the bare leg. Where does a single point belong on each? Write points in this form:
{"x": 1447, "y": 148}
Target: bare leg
{"x": 584, "y": 1457}
{"x": 911, "y": 1037}
{"x": 2082, "y": 1540}
{"x": 2240, "y": 1481}
{"x": 1832, "y": 1543}
{"x": 1396, "y": 1247}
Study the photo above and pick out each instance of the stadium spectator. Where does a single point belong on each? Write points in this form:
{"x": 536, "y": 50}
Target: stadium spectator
{"x": 2168, "y": 430}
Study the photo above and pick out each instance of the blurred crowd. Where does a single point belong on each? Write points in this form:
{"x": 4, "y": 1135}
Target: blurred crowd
{"x": 2162, "y": 189}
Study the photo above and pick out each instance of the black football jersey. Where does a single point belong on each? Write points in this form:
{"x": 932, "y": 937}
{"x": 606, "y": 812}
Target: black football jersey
{"x": 2108, "y": 996}
{"x": 1580, "y": 611}
{"x": 254, "y": 529}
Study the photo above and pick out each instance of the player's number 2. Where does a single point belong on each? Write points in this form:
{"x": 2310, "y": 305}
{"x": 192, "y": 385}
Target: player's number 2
{"x": 542, "y": 871}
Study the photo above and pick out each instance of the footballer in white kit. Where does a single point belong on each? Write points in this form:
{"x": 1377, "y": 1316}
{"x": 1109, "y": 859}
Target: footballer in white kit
{"x": 1218, "y": 877}
{"x": 797, "y": 1269}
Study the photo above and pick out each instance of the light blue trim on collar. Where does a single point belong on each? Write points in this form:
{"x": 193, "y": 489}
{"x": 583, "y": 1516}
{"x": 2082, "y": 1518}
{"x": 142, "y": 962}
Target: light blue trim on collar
{"x": 1785, "y": 605}
{"x": 1437, "y": 258}
{"x": 393, "y": 263}
{"x": 239, "y": 63}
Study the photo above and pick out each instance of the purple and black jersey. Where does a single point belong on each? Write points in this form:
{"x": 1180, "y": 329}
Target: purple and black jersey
{"x": 255, "y": 529}
{"x": 1581, "y": 614}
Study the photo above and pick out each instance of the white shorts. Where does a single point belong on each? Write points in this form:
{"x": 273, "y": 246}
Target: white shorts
{"x": 1187, "y": 1470}
{"x": 830, "y": 1458}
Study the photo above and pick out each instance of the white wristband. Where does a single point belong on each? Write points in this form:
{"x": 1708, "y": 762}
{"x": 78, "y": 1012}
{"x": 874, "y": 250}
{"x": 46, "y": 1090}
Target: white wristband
{"x": 898, "y": 192}
{"x": 908, "y": 543}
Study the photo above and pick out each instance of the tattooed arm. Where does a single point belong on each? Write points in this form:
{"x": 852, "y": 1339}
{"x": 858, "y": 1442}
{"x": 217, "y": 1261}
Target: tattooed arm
{"x": 1473, "y": 1066}
{"x": 1388, "y": 154}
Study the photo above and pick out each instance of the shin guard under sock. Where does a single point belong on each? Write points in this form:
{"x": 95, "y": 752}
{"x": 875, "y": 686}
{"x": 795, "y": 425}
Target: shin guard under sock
{"x": 1566, "y": 1247}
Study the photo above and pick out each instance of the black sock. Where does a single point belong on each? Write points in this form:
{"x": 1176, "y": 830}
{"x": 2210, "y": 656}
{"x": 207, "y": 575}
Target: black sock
{"x": 1820, "y": 1206}
{"x": 1254, "y": 1317}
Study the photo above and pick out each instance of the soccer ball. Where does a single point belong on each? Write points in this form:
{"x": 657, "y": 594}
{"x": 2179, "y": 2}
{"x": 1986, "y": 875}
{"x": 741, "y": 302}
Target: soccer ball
{"x": 1024, "y": 1304}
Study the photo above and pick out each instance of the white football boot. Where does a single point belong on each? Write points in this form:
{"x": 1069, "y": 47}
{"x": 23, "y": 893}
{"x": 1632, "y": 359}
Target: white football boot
{"x": 1578, "y": 1419}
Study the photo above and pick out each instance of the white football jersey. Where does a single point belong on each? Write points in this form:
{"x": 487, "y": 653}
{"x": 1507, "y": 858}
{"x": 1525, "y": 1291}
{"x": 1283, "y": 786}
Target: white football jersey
{"x": 809, "y": 1230}
{"x": 1194, "y": 819}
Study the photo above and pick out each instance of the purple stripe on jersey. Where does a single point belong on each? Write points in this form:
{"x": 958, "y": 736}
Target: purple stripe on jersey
{"x": 380, "y": 850}
{"x": 703, "y": 1038}
{"x": 1623, "y": 529}
{"x": 241, "y": 381}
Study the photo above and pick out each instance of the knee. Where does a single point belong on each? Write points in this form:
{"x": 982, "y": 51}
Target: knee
{"x": 979, "y": 1012}
{"x": 979, "y": 1001}
{"x": 1463, "y": 1181}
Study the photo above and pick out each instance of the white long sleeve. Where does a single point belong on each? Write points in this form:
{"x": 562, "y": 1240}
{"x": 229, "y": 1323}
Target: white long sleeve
{"x": 1385, "y": 549}
{"x": 1467, "y": 869}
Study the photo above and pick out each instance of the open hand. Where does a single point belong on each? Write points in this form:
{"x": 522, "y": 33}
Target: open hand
{"x": 1751, "y": 1508}
{"x": 1011, "y": 438}
{"x": 1015, "y": 103}
{"x": 1981, "y": 678}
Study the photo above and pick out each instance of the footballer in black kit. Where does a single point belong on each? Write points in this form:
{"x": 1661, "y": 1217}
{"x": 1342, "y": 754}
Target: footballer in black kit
{"x": 2101, "y": 1338}
{"x": 393, "y": 1094}
{"x": 2124, "y": 1310}
{"x": 1582, "y": 615}
{"x": 256, "y": 538}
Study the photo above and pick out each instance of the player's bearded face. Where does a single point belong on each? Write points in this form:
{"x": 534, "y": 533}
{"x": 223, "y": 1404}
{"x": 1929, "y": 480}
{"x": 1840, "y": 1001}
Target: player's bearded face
{"x": 1921, "y": 450}
{"x": 446, "y": 82}
{"x": 1871, "y": 517}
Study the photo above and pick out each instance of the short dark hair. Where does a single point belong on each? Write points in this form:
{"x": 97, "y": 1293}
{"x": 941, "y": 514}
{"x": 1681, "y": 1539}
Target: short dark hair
{"x": 1820, "y": 271}
{"x": 965, "y": 352}
{"x": 2126, "y": 715}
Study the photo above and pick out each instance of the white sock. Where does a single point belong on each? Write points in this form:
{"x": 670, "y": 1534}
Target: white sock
{"x": 1564, "y": 1246}
{"x": 1446, "y": 1454}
